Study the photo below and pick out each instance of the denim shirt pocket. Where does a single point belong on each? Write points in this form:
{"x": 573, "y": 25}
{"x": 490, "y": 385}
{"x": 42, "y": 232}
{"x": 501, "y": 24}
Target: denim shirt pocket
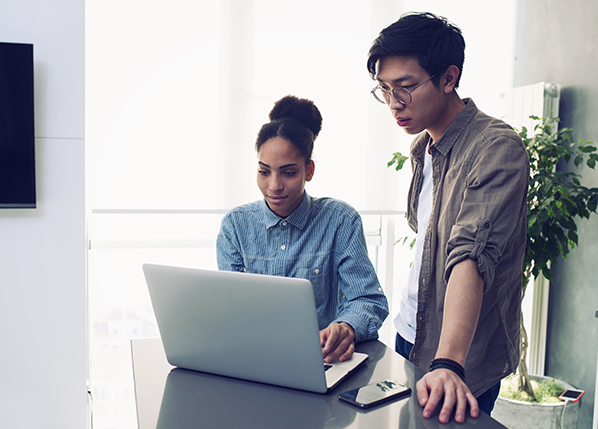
{"x": 316, "y": 276}
{"x": 258, "y": 265}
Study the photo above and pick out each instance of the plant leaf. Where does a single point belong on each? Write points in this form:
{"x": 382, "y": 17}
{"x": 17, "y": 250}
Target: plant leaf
{"x": 399, "y": 159}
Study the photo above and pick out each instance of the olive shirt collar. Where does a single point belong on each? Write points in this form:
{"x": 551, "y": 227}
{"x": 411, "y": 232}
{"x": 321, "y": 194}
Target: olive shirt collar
{"x": 450, "y": 136}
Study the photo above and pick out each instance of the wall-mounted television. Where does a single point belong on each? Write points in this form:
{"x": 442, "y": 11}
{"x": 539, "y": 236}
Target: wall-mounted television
{"x": 17, "y": 133}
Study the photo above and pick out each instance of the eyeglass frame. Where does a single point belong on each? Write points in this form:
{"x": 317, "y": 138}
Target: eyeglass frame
{"x": 392, "y": 91}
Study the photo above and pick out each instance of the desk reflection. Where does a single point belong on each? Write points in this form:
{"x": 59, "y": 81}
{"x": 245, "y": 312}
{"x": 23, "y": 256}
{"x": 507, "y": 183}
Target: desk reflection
{"x": 191, "y": 398}
{"x": 175, "y": 398}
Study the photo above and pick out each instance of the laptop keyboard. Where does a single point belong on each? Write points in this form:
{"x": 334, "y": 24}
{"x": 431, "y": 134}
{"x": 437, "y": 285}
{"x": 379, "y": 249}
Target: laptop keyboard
{"x": 327, "y": 366}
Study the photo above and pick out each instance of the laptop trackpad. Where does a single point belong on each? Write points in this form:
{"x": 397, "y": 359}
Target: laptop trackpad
{"x": 337, "y": 371}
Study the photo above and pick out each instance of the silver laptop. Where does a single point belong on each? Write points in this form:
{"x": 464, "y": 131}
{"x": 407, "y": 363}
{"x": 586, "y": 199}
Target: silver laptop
{"x": 249, "y": 326}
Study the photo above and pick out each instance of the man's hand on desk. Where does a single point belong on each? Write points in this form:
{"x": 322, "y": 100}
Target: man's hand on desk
{"x": 337, "y": 341}
{"x": 435, "y": 385}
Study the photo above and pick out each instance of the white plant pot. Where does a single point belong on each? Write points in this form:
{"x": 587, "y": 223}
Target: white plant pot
{"x": 526, "y": 415}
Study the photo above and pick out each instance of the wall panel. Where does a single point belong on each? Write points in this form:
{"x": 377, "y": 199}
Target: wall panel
{"x": 43, "y": 365}
{"x": 557, "y": 42}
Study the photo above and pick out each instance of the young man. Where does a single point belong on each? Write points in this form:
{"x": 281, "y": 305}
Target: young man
{"x": 459, "y": 314}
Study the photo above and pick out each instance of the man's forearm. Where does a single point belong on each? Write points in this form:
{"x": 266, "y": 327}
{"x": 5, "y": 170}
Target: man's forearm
{"x": 462, "y": 305}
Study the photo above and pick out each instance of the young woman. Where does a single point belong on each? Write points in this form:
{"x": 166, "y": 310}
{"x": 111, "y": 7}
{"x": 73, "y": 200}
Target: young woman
{"x": 290, "y": 233}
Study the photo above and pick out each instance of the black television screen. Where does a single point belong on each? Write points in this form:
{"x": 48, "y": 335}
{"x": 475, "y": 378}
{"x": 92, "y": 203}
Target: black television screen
{"x": 17, "y": 135}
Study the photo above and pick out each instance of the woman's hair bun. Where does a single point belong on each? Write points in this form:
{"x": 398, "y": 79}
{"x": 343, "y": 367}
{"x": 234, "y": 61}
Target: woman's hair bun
{"x": 299, "y": 109}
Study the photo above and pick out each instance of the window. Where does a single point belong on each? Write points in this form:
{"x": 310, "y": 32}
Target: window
{"x": 175, "y": 95}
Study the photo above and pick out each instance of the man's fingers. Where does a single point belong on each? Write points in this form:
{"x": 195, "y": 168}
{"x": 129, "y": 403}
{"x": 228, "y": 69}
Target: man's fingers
{"x": 444, "y": 386}
{"x": 473, "y": 405}
{"x": 434, "y": 398}
{"x": 450, "y": 399}
{"x": 422, "y": 392}
{"x": 461, "y": 408}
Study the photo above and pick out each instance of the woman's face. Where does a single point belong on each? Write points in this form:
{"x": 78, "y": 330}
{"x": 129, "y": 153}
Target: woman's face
{"x": 281, "y": 175}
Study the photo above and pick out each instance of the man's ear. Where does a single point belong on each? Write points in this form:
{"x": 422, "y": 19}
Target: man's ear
{"x": 449, "y": 79}
{"x": 311, "y": 168}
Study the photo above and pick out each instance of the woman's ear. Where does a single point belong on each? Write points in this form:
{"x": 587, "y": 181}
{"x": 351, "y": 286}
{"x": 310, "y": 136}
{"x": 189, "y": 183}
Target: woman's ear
{"x": 449, "y": 79}
{"x": 311, "y": 168}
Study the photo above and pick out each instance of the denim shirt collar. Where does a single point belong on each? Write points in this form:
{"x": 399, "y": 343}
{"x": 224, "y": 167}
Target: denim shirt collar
{"x": 298, "y": 218}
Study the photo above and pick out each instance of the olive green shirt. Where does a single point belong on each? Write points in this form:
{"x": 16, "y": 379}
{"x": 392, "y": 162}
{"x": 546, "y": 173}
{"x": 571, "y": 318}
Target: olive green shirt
{"x": 480, "y": 180}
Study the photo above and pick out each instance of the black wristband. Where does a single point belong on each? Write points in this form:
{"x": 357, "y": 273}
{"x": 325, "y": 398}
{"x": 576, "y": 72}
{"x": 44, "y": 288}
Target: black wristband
{"x": 448, "y": 364}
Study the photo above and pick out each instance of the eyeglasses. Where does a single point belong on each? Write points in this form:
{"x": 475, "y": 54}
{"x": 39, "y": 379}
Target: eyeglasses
{"x": 402, "y": 94}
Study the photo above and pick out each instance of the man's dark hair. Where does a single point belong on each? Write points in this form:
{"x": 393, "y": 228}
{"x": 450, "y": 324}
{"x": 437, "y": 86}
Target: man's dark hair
{"x": 433, "y": 40}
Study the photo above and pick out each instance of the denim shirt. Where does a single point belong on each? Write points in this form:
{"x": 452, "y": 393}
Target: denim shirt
{"x": 480, "y": 180}
{"x": 322, "y": 241}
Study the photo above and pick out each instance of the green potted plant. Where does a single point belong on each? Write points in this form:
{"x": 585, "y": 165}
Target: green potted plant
{"x": 555, "y": 199}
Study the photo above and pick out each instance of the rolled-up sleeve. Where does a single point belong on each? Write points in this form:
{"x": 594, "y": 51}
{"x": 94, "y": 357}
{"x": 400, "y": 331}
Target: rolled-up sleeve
{"x": 495, "y": 181}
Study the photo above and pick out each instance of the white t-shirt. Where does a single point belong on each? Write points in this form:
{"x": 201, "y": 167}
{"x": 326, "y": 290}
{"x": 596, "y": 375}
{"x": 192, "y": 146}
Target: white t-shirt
{"x": 405, "y": 321}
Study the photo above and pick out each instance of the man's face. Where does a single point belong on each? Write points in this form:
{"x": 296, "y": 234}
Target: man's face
{"x": 428, "y": 102}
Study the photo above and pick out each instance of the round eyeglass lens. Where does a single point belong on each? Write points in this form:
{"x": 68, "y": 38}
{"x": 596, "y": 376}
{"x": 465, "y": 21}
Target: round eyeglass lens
{"x": 381, "y": 95}
{"x": 402, "y": 95}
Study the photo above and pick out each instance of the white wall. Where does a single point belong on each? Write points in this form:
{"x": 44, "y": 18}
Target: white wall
{"x": 43, "y": 367}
